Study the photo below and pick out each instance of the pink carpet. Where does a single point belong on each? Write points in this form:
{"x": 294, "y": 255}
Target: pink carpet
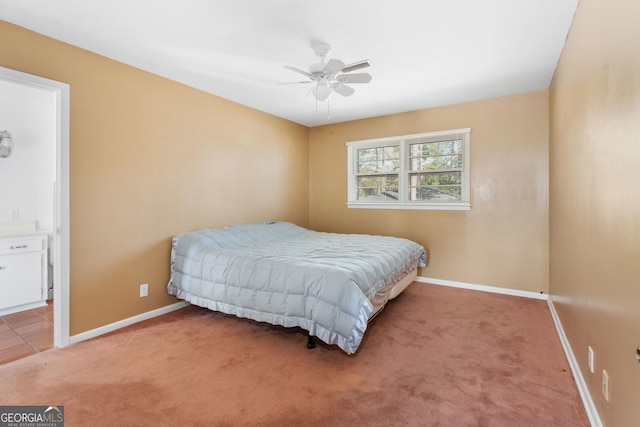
{"x": 436, "y": 356}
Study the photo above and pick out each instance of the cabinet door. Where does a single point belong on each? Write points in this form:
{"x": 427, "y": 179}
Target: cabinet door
{"x": 20, "y": 279}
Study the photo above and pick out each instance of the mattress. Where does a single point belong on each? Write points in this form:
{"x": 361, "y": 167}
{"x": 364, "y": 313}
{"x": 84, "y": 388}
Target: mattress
{"x": 283, "y": 274}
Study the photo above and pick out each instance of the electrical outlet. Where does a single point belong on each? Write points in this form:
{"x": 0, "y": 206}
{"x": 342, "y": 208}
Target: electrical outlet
{"x": 144, "y": 290}
{"x": 591, "y": 360}
{"x": 606, "y": 390}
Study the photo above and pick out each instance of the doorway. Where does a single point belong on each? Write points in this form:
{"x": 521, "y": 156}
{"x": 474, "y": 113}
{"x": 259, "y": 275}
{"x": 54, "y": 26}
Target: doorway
{"x": 58, "y": 95}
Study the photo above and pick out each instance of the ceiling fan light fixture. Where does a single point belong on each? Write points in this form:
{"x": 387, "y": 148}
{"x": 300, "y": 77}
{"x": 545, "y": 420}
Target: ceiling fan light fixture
{"x": 322, "y": 91}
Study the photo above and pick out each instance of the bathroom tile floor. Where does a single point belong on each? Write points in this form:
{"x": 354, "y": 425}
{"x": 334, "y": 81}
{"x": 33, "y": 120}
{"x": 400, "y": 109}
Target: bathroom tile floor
{"x": 25, "y": 333}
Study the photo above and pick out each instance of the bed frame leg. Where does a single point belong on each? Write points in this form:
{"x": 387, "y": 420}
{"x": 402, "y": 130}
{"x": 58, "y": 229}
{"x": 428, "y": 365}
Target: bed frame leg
{"x": 311, "y": 343}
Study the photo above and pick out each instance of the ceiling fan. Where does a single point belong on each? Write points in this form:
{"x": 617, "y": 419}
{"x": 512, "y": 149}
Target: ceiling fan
{"x": 330, "y": 76}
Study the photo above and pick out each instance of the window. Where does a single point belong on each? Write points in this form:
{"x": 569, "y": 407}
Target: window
{"x": 423, "y": 171}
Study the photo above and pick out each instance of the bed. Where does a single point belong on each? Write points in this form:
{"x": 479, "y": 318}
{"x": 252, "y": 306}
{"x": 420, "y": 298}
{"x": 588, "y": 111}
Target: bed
{"x": 328, "y": 284}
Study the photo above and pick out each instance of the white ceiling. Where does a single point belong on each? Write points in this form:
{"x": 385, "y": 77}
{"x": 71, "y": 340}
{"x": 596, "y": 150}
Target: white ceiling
{"x": 425, "y": 53}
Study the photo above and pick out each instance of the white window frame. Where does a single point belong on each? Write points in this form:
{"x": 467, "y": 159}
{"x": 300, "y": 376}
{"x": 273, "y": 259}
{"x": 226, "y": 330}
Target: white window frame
{"x": 403, "y": 142}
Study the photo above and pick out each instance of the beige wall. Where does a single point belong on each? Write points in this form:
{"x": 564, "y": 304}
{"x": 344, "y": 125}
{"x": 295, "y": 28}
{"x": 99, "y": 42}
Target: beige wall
{"x": 595, "y": 200}
{"x": 503, "y": 240}
{"x": 151, "y": 158}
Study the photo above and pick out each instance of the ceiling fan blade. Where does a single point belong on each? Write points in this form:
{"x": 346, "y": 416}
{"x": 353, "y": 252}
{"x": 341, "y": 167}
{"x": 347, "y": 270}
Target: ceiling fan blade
{"x": 333, "y": 67}
{"x": 354, "y": 78}
{"x": 356, "y": 66}
{"x": 310, "y": 90}
{"x": 298, "y": 70}
{"x": 342, "y": 89}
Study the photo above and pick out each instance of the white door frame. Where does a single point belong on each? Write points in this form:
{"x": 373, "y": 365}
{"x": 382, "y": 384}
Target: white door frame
{"x": 61, "y": 270}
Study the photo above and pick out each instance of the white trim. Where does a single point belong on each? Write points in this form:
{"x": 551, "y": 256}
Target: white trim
{"x": 375, "y": 141}
{"x": 454, "y": 206}
{"x": 587, "y": 401}
{"x": 484, "y": 288}
{"x": 61, "y": 269}
{"x": 403, "y": 142}
{"x": 22, "y": 307}
{"x": 62, "y": 240}
{"x": 127, "y": 322}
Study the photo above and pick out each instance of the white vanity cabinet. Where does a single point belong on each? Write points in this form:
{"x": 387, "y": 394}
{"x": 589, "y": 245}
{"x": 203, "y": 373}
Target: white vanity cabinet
{"x": 23, "y": 271}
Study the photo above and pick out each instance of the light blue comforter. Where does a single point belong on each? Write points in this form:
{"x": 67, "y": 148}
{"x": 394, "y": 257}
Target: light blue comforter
{"x": 286, "y": 275}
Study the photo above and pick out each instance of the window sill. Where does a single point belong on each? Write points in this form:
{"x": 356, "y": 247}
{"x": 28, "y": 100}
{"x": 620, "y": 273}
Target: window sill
{"x": 458, "y": 206}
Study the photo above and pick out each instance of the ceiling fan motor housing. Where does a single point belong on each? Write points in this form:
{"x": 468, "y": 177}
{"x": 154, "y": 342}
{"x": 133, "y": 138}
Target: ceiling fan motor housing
{"x": 321, "y": 49}
{"x": 316, "y": 69}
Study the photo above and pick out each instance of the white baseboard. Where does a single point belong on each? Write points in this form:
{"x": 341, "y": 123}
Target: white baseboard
{"x": 484, "y": 288}
{"x": 587, "y": 401}
{"x": 23, "y": 307}
{"x": 126, "y": 322}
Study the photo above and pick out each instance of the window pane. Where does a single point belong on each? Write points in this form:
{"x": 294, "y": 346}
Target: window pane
{"x": 440, "y": 155}
{"x": 392, "y": 152}
{"x": 378, "y": 188}
{"x": 438, "y": 148}
{"x": 379, "y": 159}
{"x": 368, "y": 167}
{"x": 444, "y": 186}
{"x": 453, "y": 161}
